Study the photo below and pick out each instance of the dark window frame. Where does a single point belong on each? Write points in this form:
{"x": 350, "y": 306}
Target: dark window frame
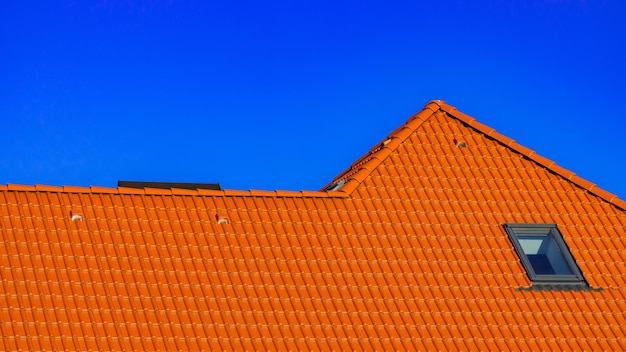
{"x": 515, "y": 231}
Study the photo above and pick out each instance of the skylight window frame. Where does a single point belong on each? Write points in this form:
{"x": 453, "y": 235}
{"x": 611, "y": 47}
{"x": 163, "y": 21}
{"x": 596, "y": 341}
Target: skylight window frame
{"x": 515, "y": 231}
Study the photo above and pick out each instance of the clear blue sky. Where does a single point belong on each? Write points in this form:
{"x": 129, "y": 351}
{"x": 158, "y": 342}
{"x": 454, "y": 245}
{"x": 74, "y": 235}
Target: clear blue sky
{"x": 286, "y": 95}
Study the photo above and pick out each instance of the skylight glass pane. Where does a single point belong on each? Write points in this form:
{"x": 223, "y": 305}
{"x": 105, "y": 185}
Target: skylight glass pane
{"x": 531, "y": 244}
{"x": 544, "y": 255}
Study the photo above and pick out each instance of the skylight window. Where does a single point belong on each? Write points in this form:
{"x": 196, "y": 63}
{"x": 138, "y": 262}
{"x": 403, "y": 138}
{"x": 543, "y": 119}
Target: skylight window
{"x": 543, "y": 253}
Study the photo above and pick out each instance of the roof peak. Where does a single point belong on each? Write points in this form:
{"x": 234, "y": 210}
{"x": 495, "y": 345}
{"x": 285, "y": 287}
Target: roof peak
{"x": 365, "y": 165}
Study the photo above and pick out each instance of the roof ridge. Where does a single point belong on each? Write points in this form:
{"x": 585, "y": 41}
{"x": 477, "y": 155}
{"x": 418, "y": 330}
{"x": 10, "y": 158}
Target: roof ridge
{"x": 358, "y": 171}
{"x": 532, "y": 155}
{"x": 172, "y": 191}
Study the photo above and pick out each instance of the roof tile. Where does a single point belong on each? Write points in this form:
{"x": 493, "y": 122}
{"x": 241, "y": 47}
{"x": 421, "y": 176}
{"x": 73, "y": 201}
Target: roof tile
{"x": 16, "y": 187}
{"x": 131, "y": 190}
{"x": 148, "y": 190}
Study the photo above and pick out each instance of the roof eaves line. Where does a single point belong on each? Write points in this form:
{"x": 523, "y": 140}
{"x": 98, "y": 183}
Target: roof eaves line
{"x": 532, "y": 155}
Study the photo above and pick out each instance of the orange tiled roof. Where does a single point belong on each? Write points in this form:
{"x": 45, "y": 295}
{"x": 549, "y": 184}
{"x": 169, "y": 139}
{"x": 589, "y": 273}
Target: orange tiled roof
{"x": 408, "y": 254}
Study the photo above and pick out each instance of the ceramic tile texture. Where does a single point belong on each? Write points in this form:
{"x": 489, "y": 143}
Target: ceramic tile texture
{"x": 409, "y": 254}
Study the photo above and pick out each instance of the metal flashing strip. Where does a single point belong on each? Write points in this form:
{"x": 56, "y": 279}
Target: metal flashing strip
{"x": 169, "y": 185}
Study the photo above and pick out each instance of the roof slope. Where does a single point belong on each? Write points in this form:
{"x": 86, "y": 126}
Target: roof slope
{"x": 408, "y": 254}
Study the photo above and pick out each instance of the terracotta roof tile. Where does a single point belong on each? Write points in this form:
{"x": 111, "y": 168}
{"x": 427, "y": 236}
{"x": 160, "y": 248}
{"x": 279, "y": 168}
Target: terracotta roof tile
{"x": 408, "y": 254}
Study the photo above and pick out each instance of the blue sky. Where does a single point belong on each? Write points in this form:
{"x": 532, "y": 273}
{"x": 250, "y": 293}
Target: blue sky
{"x": 286, "y": 95}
